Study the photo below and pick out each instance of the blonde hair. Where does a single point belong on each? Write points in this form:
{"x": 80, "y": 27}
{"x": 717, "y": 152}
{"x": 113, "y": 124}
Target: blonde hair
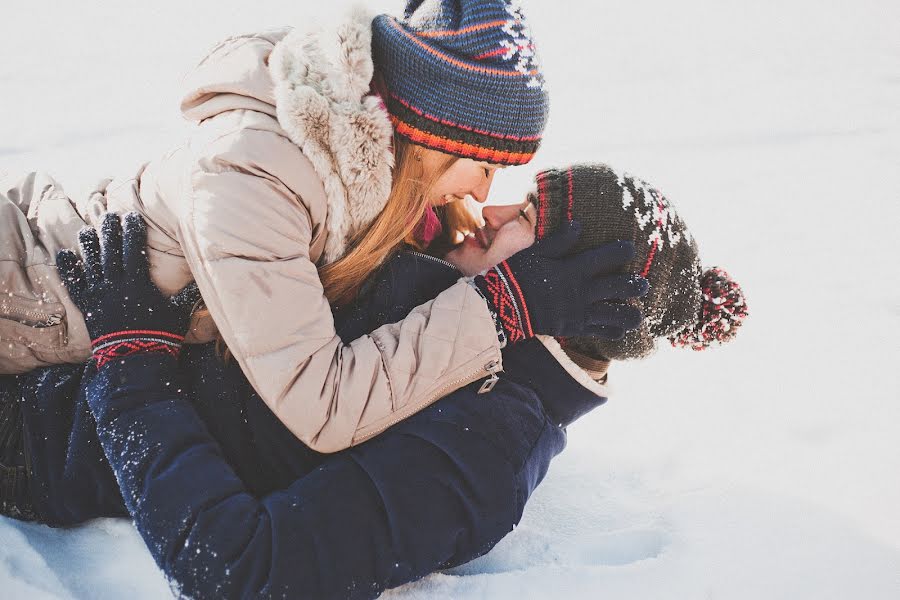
{"x": 405, "y": 208}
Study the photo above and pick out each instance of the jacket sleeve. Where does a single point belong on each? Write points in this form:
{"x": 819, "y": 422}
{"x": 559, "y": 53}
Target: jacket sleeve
{"x": 247, "y": 235}
{"x": 349, "y": 529}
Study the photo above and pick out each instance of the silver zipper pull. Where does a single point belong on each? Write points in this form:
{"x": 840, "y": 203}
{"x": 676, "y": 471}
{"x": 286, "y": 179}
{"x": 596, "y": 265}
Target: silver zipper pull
{"x": 50, "y": 321}
{"x": 492, "y": 368}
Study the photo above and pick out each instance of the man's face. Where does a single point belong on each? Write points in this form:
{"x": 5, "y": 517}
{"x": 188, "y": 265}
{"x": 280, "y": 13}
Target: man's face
{"x": 506, "y": 231}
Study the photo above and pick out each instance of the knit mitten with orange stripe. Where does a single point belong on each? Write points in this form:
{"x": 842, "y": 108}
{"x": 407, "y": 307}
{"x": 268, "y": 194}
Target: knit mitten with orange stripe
{"x": 124, "y": 311}
{"x": 547, "y": 289}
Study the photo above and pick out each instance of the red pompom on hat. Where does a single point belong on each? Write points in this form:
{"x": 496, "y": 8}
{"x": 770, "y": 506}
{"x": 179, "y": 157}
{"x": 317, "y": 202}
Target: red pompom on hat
{"x": 723, "y": 309}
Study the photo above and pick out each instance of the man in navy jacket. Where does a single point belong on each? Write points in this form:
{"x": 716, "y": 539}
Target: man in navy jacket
{"x": 232, "y": 505}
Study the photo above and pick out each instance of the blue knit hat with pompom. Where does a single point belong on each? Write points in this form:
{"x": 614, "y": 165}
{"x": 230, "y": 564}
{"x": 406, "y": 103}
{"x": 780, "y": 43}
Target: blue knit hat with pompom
{"x": 462, "y": 77}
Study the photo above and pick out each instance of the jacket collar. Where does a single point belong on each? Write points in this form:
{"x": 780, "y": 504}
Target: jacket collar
{"x": 321, "y": 80}
{"x": 566, "y": 391}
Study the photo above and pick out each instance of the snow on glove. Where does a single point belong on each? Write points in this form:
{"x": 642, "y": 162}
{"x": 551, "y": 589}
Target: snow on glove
{"x": 124, "y": 311}
{"x": 546, "y": 289}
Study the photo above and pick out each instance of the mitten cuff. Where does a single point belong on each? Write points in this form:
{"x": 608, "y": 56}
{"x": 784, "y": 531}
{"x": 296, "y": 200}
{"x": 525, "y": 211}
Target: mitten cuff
{"x": 502, "y": 291}
{"x": 120, "y": 344}
{"x": 501, "y": 333}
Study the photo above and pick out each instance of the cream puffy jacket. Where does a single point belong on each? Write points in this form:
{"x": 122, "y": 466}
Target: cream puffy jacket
{"x": 290, "y": 157}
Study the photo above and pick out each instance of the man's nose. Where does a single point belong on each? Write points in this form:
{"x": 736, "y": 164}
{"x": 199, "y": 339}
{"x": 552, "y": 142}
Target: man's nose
{"x": 496, "y": 216}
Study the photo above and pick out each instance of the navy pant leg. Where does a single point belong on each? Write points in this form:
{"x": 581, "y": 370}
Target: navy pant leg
{"x": 70, "y": 479}
{"x": 14, "y": 501}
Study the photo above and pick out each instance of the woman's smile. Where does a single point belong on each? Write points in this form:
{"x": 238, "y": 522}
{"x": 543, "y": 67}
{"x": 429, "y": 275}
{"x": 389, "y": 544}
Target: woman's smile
{"x": 473, "y": 242}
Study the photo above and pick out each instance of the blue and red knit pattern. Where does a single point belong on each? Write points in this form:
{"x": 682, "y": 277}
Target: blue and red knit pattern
{"x": 543, "y": 204}
{"x": 463, "y": 78}
{"x": 120, "y": 344}
{"x": 500, "y": 287}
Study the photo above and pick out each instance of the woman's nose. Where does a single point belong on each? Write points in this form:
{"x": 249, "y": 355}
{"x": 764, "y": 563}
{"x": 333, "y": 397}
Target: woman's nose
{"x": 480, "y": 193}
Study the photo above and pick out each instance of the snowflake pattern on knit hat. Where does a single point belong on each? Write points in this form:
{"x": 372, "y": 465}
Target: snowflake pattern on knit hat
{"x": 520, "y": 45}
{"x": 654, "y": 215}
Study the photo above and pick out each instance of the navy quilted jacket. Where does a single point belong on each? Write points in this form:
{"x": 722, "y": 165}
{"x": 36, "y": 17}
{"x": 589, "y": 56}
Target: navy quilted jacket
{"x": 232, "y": 505}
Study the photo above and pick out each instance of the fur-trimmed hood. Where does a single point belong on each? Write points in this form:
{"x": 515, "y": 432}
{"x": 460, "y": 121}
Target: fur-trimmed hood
{"x": 315, "y": 80}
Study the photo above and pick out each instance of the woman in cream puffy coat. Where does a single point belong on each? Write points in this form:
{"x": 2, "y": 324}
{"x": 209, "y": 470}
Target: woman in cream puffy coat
{"x": 289, "y": 169}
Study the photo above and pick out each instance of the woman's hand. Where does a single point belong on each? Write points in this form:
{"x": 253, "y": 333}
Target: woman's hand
{"x": 124, "y": 311}
{"x": 546, "y": 289}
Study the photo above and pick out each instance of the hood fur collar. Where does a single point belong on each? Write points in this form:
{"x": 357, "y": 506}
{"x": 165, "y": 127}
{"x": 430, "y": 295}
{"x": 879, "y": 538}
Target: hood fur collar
{"x": 322, "y": 100}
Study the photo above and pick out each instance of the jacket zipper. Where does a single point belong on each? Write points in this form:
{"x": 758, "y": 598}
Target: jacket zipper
{"x": 490, "y": 383}
{"x": 32, "y": 317}
{"x": 435, "y": 259}
{"x": 492, "y": 368}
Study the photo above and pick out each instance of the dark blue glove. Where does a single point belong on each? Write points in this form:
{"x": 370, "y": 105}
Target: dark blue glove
{"x": 545, "y": 289}
{"x": 124, "y": 311}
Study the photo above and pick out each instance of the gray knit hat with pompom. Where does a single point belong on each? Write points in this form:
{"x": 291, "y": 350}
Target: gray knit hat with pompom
{"x": 691, "y": 307}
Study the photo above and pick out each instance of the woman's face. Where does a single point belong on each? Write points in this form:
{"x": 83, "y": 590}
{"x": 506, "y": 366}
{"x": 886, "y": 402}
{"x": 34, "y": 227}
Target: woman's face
{"x": 465, "y": 177}
{"x": 507, "y": 230}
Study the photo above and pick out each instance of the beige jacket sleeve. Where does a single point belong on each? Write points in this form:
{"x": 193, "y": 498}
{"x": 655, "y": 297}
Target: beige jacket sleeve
{"x": 246, "y": 236}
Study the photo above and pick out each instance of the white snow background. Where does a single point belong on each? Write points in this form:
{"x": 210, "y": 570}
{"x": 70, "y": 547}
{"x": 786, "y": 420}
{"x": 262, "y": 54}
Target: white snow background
{"x": 766, "y": 469}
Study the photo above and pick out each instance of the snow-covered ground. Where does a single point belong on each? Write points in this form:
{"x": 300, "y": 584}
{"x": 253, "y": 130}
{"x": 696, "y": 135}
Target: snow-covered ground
{"x": 767, "y": 469}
